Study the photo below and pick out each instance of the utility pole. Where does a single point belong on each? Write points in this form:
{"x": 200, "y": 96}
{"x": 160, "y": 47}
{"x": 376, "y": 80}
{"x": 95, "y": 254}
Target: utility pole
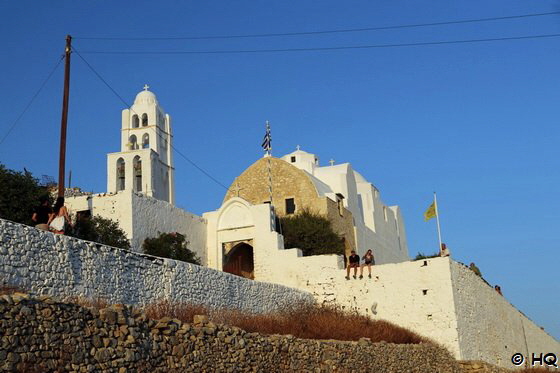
{"x": 64, "y": 120}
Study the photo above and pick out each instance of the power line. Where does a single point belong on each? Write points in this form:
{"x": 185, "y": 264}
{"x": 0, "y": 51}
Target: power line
{"x": 31, "y": 101}
{"x": 240, "y": 51}
{"x": 377, "y": 28}
{"x": 156, "y": 132}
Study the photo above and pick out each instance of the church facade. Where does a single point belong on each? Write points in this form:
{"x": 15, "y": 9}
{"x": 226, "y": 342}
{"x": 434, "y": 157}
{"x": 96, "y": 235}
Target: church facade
{"x": 438, "y": 298}
{"x": 141, "y": 194}
{"x": 337, "y": 192}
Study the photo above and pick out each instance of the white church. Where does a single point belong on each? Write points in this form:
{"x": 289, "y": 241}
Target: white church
{"x": 438, "y": 298}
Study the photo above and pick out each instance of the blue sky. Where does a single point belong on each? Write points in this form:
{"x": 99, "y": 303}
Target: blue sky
{"x": 478, "y": 123}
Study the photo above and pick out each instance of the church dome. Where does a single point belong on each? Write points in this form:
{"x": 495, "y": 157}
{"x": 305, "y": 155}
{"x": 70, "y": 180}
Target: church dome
{"x": 145, "y": 97}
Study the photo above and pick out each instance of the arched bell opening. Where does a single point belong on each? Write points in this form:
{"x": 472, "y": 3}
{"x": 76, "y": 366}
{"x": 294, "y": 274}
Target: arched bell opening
{"x": 135, "y": 121}
{"x": 132, "y": 142}
{"x": 239, "y": 261}
{"x": 120, "y": 174}
{"x": 145, "y": 141}
{"x": 137, "y": 164}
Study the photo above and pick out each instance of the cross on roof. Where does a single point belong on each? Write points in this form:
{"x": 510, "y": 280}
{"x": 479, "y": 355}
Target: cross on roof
{"x": 297, "y": 147}
{"x": 237, "y": 188}
{"x": 331, "y": 162}
{"x": 146, "y": 87}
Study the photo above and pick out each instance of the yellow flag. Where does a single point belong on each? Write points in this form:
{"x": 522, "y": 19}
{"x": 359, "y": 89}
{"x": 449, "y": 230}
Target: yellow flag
{"x": 430, "y": 212}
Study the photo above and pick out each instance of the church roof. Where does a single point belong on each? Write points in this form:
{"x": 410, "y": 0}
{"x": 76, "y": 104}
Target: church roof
{"x": 298, "y": 151}
{"x": 145, "y": 97}
{"x": 322, "y": 188}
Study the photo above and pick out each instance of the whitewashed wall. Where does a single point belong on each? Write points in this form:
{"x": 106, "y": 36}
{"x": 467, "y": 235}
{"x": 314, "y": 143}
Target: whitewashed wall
{"x": 237, "y": 220}
{"x": 44, "y": 263}
{"x": 151, "y": 216}
{"x": 142, "y": 217}
{"x": 394, "y": 293}
{"x": 490, "y": 328}
{"x": 437, "y": 298}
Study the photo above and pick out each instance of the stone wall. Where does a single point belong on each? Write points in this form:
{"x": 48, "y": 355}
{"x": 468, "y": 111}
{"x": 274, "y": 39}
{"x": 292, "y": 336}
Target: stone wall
{"x": 42, "y": 335}
{"x": 45, "y": 263}
{"x": 490, "y": 328}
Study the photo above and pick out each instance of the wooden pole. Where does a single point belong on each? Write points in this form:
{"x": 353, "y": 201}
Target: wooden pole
{"x": 64, "y": 120}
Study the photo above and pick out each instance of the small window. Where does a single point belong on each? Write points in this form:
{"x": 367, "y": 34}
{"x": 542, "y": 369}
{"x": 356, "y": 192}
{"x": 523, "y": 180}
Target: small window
{"x": 267, "y": 202}
{"x": 340, "y": 204}
{"x": 290, "y": 206}
{"x": 293, "y": 159}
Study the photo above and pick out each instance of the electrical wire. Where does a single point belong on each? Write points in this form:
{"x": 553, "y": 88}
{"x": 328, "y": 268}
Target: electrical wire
{"x": 155, "y": 131}
{"x": 441, "y": 42}
{"x": 378, "y": 28}
{"x": 31, "y": 101}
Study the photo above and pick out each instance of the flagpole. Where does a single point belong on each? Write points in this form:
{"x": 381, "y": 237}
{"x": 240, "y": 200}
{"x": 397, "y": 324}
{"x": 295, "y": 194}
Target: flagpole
{"x": 437, "y": 220}
{"x": 268, "y": 149}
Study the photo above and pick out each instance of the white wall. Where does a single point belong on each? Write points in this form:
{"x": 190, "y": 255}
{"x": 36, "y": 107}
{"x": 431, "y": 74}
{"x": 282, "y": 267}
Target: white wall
{"x": 490, "y": 328}
{"x": 45, "y": 263}
{"x": 116, "y": 207}
{"x": 396, "y": 290}
{"x": 142, "y": 217}
{"x": 151, "y": 216}
{"x": 437, "y": 298}
{"x": 237, "y": 220}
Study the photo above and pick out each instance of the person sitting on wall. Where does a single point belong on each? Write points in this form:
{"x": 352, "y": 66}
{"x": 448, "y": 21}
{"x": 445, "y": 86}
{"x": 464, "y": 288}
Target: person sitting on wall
{"x": 498, "y": 289}
{"x": 42, "y": 213}
{"x": 353, "y": 262}
{"x": 444, "y": 251}
{"x": 368, "y": 261}
{"x": 475, "y": 269}
{"x": 59, "y": 218}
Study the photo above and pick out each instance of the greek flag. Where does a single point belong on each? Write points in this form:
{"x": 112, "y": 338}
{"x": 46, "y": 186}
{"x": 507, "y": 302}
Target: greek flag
{"x": 267, "y": 141}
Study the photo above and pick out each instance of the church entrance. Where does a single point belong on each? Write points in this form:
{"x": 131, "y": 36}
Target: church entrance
{"x": 239, "y": 260}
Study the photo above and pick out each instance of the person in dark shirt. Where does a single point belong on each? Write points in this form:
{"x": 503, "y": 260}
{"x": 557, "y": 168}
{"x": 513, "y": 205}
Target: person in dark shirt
{"x": 368, "y": 261}
{"x": 42, "y": 213}
{"x": 353, "y": 262}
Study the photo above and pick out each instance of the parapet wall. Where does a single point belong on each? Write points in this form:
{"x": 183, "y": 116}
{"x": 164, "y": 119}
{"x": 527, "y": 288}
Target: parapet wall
{"x": 437, "y": 298}
{"x": 489, "y": 327}
{"x": 48, "y": 336}
{"x": 45, "y": 263}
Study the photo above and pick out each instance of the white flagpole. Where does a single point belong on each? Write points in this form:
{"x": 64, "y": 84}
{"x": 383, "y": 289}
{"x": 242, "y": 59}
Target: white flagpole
{"x": 437, "y": 220}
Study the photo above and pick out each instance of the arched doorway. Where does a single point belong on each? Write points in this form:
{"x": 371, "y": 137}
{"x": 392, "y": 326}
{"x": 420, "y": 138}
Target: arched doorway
{"x": 239, "y": 261}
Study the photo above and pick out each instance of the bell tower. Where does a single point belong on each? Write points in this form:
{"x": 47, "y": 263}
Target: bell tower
{"x": 145, "y": 162}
